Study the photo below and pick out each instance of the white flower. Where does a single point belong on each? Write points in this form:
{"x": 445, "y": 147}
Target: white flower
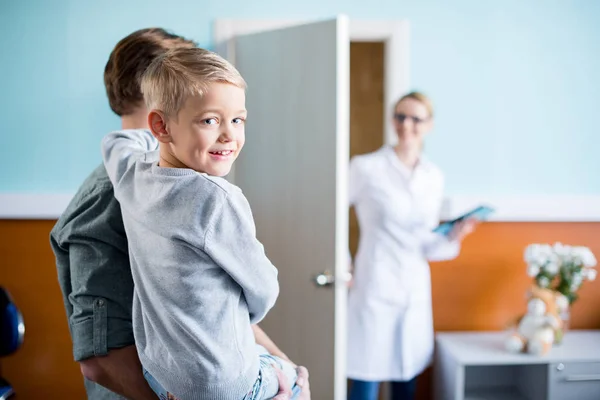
{"x": 552, "y": 267}
{"x": 578, "y": 278}
{"x": 561, "y": 250}
{"x": 533, "y": 270}
{"x": 585, "y": 256}
{"x": 590, "y": 274}
{"x": 543, "y": 281}
{"x": 530, "y": 252}
{"x": 537, "y": 254}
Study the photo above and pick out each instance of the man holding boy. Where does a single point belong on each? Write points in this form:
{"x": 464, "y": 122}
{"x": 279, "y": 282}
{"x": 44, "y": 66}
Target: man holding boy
{"x": 91, "y": 248}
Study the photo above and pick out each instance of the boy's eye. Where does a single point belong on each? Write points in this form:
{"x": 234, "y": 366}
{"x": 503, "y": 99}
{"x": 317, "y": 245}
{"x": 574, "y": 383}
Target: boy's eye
{"x": 238, "y": 120}
{"x": 210, "y": 121}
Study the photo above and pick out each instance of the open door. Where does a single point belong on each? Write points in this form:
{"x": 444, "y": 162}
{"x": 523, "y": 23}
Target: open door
{"x": 293, "y": 170}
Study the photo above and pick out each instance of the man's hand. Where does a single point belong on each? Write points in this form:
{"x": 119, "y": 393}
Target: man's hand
{"x": 285, "y": 392}
{"x": 121, "y": 372}
{"x": 302, "y": 381}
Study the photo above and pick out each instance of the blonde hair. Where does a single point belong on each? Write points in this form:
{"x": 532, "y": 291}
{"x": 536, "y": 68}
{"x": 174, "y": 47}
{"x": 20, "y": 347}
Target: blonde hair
{"x": 183, "y": 72}
{"x": 420, "y": 97}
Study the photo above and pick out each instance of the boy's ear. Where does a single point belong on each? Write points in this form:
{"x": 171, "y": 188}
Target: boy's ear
{"x": 158, "y": 126}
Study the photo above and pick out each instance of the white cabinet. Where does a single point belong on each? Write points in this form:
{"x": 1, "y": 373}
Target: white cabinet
{"x": 475, "y": 366}
{"x": 574, "y": 380}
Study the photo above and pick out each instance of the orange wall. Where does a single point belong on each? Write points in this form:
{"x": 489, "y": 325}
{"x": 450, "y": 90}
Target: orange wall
{"x": 480, "y": 290}
{"x": 485, "y": 286}
{"x": 44, "y": 366}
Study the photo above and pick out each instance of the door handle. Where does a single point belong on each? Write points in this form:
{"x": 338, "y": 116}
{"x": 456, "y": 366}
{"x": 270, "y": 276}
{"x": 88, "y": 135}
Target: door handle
{"x": 327, "y": 278}
{"x": 324, "y": 279}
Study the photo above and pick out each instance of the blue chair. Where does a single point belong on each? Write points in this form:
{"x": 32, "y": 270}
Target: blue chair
{"x": 12, "y": 332}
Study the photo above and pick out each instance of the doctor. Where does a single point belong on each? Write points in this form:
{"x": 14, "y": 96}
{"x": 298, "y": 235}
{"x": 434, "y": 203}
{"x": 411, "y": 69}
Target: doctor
{"x": 397, "y": 194}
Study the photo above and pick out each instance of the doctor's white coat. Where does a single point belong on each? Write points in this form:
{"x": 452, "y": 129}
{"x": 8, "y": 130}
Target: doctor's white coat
{"x": 390, "y": 322}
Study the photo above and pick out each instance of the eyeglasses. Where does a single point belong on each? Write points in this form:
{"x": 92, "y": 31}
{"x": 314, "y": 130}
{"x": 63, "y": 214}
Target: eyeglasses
{"x": 415, "y": 120}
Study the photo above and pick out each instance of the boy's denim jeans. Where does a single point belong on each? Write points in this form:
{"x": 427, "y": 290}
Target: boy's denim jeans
{"x": 265, "y": 387}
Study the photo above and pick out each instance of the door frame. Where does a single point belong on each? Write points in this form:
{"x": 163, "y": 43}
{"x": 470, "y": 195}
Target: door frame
{"x": 393, "y": 33}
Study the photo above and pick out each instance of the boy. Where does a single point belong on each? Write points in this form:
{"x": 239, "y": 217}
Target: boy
{"x": 90, "y": 245}
{"x": 201, "y": 276}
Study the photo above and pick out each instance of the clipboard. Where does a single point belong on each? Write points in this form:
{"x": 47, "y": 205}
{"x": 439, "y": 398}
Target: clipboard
{"x": 480, "y": 213}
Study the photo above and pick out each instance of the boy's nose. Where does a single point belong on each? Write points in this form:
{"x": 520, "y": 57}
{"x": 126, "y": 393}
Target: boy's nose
{"x": 226, "y": 136}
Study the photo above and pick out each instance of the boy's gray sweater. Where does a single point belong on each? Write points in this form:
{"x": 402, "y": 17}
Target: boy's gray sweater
{"x": 201, "y": 276}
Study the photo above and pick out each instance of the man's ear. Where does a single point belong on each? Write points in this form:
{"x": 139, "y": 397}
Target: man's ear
{"x": 158, "y": 126}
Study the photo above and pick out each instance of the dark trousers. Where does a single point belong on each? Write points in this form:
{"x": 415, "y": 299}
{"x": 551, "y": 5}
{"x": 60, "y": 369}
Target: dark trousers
{"x": 369, "y": 390}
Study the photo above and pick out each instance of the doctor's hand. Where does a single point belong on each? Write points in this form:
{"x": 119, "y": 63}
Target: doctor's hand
{"x": 463, "y": 228}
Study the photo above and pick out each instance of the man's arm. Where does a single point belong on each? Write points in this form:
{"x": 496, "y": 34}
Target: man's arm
{"x": 265, "y": 341}
{"x": 93, "y": 270}
{"x": 120, "y": 371}
{"x": 100, "y": 320}
{"x": 284, "y": 390}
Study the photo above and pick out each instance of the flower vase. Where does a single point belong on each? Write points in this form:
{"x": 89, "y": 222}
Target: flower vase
{"x": 565, "y": 318}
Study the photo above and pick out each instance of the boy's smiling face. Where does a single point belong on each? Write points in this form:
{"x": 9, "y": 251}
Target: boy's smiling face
{"x": 207, "y": 134}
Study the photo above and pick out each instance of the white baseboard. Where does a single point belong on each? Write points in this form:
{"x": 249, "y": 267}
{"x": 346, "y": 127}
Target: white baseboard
{"x": 533, "y": 208}
{"x": 33, "y": 205}
{"x": 529, "y": 208}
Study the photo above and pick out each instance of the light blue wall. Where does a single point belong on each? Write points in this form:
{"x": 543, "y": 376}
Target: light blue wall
{"x": 516, "y": 83}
